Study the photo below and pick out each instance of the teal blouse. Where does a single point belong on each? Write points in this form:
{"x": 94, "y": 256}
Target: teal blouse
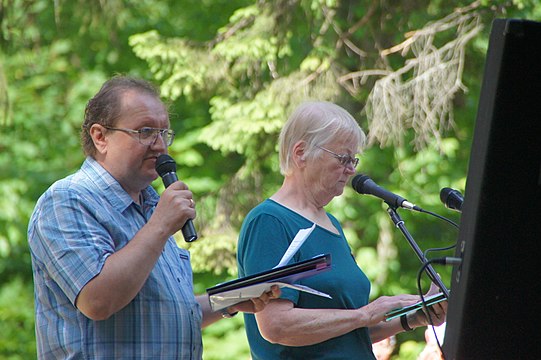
{"x": 266, "y": 233}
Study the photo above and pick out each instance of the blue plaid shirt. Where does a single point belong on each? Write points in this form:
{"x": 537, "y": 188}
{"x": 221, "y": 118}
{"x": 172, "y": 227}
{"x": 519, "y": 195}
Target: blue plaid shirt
{"x": 77, "y": 223}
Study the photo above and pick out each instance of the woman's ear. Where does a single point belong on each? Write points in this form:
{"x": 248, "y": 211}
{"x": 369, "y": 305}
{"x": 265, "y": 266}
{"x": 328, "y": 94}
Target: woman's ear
{"x": 97, "y": 133}
{"x": 299, "y": 153}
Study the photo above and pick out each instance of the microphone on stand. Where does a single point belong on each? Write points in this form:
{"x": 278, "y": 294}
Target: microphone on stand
{"x": 364, "y": 185}
{"x": 166, "y": 168}
{"x": 452, "y": 199}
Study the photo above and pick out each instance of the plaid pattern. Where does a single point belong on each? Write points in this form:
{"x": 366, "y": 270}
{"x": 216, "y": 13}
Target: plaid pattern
{"x": 77, "y": 223}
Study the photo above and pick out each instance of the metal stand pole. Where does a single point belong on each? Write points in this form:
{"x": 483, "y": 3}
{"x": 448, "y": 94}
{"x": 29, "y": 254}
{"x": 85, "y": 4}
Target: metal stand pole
{"x": 399, "y": 223}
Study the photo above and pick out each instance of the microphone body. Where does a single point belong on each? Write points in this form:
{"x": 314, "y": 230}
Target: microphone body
{"x": 166, "y": 168}
{"x": 364, "y": 185}
{"x": 169, "y": 178}
{"x": 452, "y": 199}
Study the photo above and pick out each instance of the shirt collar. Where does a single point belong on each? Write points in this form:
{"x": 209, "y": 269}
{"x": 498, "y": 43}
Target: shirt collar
{"x": 117, "y": 196}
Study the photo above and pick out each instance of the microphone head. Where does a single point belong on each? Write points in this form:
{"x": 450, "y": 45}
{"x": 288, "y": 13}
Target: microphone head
{"x": 451, "y": 198}
{"x": 358, "y": 183}
{"x": 165, "y": 164}
{"x": 444, "y": 194}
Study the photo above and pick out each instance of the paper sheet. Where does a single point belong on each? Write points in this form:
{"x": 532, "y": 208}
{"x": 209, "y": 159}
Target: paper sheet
{"x": 297, "y": 242}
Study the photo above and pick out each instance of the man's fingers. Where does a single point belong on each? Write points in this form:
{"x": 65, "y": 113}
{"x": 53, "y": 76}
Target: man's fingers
{"x": 259, "y": 304}
{"x": 275, "y": 292}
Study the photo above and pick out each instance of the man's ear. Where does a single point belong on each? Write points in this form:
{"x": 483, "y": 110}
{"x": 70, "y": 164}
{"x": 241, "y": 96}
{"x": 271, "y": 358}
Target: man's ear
{"x": 97, "y": 133}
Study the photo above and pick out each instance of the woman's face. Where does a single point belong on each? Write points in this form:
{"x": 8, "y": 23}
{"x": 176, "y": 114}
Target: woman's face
{"x": 330, "y": 171}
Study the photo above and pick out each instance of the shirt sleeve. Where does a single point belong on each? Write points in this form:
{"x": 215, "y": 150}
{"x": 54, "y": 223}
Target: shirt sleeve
{"x": 68, "y": 240}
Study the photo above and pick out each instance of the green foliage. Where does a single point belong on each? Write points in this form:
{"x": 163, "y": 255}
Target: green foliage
{"x": 226, "y": 340}
{"x": 409, "y": 350}
{"x": 17, "y": 320}
{"x": 253, "y": 72}
{"x": 232, "y": 71}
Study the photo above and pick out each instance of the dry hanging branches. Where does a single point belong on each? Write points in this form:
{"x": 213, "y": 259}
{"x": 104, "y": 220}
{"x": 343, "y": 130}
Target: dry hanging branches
{"x": 420, "y": 94}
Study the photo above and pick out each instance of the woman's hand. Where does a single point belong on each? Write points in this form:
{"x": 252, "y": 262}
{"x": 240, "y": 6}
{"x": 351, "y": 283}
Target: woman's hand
{"x": 436, "y": 313}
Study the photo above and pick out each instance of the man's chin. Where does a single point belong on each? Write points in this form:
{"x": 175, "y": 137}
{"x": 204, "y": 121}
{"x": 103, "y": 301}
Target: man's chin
{"x": 151, "y": 174}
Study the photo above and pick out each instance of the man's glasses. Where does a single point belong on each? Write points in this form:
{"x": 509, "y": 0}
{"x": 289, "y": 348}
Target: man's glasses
{"x": 147, "y": 136}
{"x": 344, "y": 159}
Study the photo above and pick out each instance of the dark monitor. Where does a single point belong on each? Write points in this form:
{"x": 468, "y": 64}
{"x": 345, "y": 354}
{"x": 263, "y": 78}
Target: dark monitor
{"x": 495, "y": 295}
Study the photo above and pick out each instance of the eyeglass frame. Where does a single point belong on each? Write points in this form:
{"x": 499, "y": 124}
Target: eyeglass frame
{"x": 345, "y": 159}
{"x": 170, "y": 133}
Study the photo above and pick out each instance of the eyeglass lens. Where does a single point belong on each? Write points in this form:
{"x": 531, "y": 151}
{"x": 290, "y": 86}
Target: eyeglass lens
{"x": 148, "y": 136}
{"x": 347, "y": 159}
{"x": 344, "y": 159}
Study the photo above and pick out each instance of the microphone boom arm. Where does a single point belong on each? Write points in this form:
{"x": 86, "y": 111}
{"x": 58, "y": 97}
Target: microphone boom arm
{"x": 399, "y": 223}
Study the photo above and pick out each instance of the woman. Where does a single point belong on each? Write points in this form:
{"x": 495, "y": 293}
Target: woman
{"x": 317, "y": 148}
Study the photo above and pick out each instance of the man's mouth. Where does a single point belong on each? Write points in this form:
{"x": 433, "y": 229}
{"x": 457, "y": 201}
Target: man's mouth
{"x": 152, "y": 157}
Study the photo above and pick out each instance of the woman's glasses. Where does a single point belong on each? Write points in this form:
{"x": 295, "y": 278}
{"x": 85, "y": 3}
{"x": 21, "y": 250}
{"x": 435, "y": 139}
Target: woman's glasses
{"x": 344, "y": 159}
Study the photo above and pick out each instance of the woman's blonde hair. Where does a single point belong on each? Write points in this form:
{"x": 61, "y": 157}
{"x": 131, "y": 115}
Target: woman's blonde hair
{"x": 317, "y": 123}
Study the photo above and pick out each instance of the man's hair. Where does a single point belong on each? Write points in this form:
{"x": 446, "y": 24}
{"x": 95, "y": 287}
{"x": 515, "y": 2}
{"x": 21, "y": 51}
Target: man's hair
{"x": 106, "y": 106}
{"x": 317, "y": 123}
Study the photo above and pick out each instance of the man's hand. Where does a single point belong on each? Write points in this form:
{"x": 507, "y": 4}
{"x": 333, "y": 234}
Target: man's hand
{"x": 257, "y": 304}
{"x": 249, "y": 306}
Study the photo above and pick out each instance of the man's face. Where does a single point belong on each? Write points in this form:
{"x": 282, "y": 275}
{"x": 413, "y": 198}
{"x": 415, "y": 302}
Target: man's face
{"x": 131, "y": 163}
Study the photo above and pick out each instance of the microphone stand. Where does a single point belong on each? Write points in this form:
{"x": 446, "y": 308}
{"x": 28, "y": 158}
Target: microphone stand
{"x": 399, "y": 223}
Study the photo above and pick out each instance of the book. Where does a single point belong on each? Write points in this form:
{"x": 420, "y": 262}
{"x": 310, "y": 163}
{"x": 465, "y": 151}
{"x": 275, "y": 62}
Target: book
{"x": 235, "y": 291}
{"x": 428, "y": 300}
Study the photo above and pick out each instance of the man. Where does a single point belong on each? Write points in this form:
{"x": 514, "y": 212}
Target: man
{"x": 110, "y": 281}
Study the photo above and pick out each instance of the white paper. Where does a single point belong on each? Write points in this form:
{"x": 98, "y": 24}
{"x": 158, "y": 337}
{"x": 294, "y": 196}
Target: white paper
{"x": 297, "y": 242}
{"x": 232, "y": 297}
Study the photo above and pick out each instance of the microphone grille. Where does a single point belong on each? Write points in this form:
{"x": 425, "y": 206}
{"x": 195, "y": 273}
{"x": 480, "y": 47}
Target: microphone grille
{"x": 165, "y": 164}
{"x": 444, "y": 194}
{"x": 358, "y": 182}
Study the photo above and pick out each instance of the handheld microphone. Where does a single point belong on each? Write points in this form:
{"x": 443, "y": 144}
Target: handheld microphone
{"x": 364, "y": 185}
{"x": 166, "y": 168}
{"x": 452, "y": 199}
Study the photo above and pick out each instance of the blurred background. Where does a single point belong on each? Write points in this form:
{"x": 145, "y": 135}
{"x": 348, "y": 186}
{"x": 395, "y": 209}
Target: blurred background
{"x": 231, "y": 71}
